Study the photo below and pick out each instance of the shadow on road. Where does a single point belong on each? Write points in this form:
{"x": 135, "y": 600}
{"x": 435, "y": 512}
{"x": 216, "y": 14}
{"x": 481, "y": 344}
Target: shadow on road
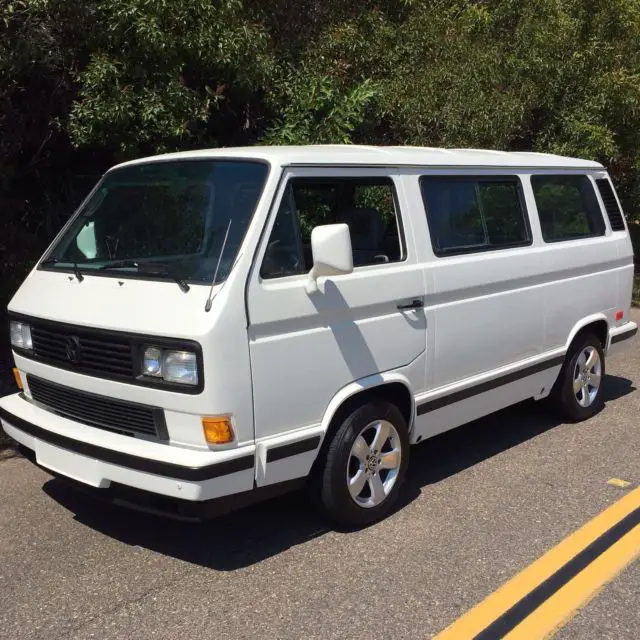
{"x": 249, "y": 536}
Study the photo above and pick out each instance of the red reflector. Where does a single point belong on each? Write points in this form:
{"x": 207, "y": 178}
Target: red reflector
{"x": 619, "y": 315}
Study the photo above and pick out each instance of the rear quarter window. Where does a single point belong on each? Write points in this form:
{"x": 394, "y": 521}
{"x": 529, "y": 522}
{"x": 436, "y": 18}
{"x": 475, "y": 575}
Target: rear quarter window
{"x": 614, "y": 212}
{"x": 567, "y": 207}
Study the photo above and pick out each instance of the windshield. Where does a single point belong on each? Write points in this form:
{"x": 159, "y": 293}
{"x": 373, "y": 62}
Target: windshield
{"x": 170, "y": 215}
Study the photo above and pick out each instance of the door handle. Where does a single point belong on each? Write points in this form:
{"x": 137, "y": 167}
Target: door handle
{"x": 414, "y": 304}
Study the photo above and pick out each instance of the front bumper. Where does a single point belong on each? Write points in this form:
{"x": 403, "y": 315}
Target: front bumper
{"x": 99, "y": 459}
{"x": 175, "y": 508}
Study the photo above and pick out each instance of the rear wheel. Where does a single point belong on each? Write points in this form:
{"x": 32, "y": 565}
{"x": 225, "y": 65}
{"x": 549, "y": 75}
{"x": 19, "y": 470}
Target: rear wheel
{"x": 579, "y": 390}
{"x": 365, "y": 466}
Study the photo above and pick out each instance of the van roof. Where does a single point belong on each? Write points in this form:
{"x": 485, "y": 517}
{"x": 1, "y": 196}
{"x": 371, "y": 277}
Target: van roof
{"x": 345, "y": 154}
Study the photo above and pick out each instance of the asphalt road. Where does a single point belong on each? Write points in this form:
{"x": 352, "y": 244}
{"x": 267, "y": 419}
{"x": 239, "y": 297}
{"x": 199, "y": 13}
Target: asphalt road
{"x": 481, "y": 503}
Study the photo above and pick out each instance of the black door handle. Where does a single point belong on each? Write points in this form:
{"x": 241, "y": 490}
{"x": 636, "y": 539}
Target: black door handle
{"x": 414, "y": 304}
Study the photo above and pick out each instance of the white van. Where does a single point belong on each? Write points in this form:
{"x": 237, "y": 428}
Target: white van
{"x": 213, "y": 327}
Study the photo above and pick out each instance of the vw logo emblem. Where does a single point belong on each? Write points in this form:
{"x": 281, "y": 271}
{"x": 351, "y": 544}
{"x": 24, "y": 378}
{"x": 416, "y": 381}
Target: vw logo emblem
{"x": 72, "y": 349}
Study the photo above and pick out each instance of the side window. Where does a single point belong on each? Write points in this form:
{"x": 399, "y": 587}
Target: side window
{"x": 366, "y": 205}
{"x": 611, "y": 206}
{"x": 474, "y": 214}
{"x": 567, "y": 206}
{"x": 283, "y": 256}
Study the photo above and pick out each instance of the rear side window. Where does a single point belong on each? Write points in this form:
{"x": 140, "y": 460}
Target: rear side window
{"x": 366, "y": 205}
{"x": 614, "y": 212}
{"x": 474, "y": 214}
{"x": 568, "y": 207}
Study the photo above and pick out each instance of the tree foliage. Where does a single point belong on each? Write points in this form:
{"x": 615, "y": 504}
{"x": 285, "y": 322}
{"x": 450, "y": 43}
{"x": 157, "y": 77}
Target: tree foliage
{"x": 84, "y": 83}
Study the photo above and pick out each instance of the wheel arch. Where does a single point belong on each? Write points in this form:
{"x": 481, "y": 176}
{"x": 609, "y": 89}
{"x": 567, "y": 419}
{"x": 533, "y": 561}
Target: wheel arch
{"x": 596, "y": 324}
{"x": 393, "y": 387}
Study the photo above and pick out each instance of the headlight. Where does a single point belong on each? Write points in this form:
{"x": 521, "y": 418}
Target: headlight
{"x": 171, "y": 366}
{"x": 152, "y": 362}
{"x": 180, "y": 366}
{"x": 20, "y": 335}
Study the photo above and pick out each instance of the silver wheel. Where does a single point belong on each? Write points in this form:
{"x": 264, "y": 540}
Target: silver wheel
{"x": 587, "y": 376}
{"x": 374, "y": 463}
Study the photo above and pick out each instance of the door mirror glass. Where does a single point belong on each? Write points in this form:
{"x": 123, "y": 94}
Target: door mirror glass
{"x": 331, "y": 252}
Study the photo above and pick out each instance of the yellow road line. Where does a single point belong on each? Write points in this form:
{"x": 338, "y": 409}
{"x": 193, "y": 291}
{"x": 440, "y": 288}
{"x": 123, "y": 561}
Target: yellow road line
{"x": 490, "y": 609}
{"x": 562, "y": 606}
{"x": 618, "y": 482}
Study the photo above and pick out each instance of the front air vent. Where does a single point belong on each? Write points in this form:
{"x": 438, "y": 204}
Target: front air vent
{"x": 98, "y": 411}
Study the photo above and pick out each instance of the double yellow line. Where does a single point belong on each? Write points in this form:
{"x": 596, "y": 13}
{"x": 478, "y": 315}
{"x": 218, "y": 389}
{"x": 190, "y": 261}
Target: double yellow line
{"x": 546, "y": 594}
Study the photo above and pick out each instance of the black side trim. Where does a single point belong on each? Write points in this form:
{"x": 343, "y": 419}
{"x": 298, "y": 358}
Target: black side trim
{"x": 166, "y": 469}
{"x": 293, "y": 449}
{"x": 624, "y": 336}
{"x": 527, "y": 605}
{"x": 432, "y": 405}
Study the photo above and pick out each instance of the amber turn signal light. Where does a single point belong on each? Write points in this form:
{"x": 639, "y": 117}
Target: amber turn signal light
{"x": 16, "y": 375}
{"x": 217, "y": 429}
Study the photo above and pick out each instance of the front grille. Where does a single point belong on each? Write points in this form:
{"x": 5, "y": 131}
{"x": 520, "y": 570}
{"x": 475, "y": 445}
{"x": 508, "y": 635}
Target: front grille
{"x": 616, "y": 217}
{"x": 99, "y": 411}
{"x": 83, "y": 350}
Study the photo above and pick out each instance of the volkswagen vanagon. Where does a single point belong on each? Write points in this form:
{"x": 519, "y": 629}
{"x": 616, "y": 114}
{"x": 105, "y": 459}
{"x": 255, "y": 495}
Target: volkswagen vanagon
{"x": 217, "y": 326}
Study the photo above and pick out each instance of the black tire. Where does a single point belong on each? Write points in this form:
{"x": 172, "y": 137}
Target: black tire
{"x": 333, "y": 491}
{"x": 563, "y": 396}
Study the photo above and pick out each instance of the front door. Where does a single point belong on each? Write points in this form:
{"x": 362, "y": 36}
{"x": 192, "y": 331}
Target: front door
{"x": 306, "y": 347}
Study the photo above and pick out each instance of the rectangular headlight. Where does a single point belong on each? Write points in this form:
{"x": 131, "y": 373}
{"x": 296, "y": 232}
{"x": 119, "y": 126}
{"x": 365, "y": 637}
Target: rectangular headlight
{"x": 20, "y": 335}
{"x": 171, "y": 366}
{"x": 180, "y": 366}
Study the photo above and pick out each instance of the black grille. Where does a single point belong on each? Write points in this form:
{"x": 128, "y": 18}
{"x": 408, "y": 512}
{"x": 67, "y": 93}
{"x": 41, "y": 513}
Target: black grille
{"x": 99, "y": 411}
{"x": 83, "y": 350}
{"x": 611, "y": 204}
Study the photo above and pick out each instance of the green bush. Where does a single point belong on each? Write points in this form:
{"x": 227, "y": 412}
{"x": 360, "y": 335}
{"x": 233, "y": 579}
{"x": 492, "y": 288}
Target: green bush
{"x": 85, "y": 84}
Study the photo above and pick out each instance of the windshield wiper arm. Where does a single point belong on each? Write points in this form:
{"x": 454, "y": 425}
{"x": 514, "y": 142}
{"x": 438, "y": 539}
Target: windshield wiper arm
{"x": 151, "y": 268}
{"x": 77, "y": 273}
{"x": 160, "y": 268}
{"x": 76, "y": 270}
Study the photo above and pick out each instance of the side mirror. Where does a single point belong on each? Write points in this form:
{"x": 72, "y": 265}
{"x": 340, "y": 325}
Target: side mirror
{"x": 332, "y": 254}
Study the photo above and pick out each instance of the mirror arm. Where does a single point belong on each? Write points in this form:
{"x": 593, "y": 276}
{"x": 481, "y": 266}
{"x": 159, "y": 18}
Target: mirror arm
{"x": 312, "y": 281}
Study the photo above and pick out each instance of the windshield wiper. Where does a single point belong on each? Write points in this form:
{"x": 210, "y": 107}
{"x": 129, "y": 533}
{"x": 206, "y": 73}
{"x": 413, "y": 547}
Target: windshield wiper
{"x": 77, "y": 273}
{"x": 162, "y": 269}
{"x": 150, "y": 268}
{"x": 76, "y": 270}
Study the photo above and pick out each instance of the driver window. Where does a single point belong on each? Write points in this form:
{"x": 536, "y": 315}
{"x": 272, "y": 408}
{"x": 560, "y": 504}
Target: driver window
{"x": 283, "y": 256}
{"x": 366, "y": 205}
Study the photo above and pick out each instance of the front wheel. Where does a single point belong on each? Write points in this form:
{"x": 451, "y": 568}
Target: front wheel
{"x": 366, "y": 465}
{"x": 579, "y": 389}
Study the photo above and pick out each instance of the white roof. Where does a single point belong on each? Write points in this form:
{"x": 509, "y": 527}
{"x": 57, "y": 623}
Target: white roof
{"x": 382, "y": 156}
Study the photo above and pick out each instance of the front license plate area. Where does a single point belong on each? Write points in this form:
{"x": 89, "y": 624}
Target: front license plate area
{"x": 69, "y": 464}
